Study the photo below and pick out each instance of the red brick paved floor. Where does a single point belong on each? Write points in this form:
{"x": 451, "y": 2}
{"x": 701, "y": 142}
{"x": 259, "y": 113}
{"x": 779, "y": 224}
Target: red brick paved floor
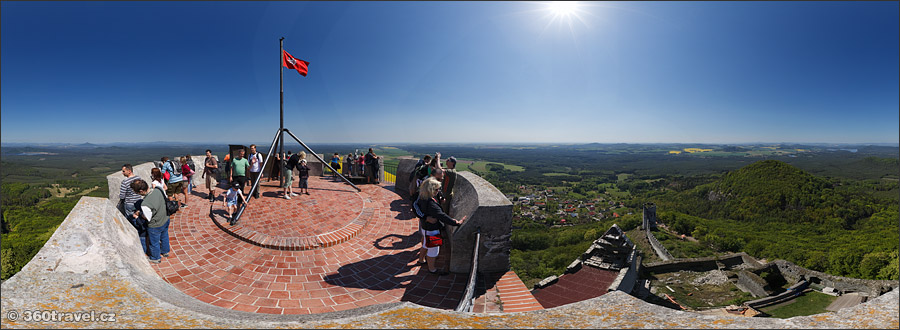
{"x": 332, "y": 213}
{"x": 377, "y": 265}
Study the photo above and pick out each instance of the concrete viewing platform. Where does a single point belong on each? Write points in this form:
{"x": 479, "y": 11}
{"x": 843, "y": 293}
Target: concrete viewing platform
{"x": 332, "y": 250}
{"x": 336, "y": 258}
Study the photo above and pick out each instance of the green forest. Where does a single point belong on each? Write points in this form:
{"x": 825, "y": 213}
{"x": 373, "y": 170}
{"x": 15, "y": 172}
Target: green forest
{"x": 773, "y": 210}
{"x": 826, "y": 209}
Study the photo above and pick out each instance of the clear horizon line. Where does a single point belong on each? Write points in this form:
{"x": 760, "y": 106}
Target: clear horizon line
{"x": 445, "y": 143}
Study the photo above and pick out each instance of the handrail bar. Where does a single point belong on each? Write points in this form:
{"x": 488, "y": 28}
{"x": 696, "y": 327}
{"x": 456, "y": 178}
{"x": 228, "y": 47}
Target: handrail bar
{"x": 465, "y": 305}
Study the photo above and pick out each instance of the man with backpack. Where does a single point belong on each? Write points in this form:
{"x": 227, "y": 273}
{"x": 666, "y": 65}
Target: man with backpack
{"x": 176, "y": 181}
{"x": 256, "y": 161}
{"x": 210, "y": 170}
{"x": 415, "y": 179}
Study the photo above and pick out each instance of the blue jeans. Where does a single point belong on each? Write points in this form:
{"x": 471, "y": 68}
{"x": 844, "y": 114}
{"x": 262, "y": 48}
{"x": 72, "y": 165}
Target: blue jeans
{"x": 142, "y": 231}
{"x": 158, "y": 240}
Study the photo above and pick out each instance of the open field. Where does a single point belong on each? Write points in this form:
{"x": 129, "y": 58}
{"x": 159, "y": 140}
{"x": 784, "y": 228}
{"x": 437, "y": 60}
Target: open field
{"x": 808, "y": 303}
{"x": 699, "y": 290}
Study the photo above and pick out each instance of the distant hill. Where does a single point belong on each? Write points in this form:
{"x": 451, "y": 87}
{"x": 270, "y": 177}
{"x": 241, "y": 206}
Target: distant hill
{"x": 767, "y": 181}
{"x": 768, "y": 190}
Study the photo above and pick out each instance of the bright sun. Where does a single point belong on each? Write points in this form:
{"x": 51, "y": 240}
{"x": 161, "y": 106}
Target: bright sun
{"x": 563, "y": 8}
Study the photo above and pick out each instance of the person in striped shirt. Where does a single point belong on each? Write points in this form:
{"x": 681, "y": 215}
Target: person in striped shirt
{"x": 128, "y": 197}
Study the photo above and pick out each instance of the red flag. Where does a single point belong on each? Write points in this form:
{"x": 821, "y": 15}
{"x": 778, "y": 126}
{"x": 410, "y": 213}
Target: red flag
{"x": 291, "y": 62}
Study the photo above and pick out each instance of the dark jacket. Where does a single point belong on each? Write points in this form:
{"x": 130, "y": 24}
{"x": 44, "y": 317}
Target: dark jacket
{"x": 292, "y": 162}
{"x": 431, "y": 208}
{"x": 304, "y": 171}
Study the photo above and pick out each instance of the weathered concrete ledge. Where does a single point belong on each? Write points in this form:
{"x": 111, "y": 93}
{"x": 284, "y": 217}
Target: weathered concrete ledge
{"x": 93, "y": 262}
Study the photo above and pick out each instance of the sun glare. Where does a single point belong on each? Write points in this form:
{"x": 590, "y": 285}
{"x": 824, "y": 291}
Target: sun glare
{"x": 563, "y": 8}
{"x": 565, "y": 13}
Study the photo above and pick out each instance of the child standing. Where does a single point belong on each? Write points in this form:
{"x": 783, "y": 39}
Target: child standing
{"x": 304, "y": 175}
{"x": 232, "y": 196}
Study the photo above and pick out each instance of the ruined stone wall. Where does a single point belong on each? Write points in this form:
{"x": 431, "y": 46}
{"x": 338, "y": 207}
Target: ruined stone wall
{"x": 872, "y": 288}
{"x": 701, "y": 264}
{"x": 649, "y": 216}
{"x": 753, "y": 283}
{"x": 791, "y": 292}
{"x": 628, "y": 276}
{"x": 649, "y": 222}
{"x": 658, "y": 247}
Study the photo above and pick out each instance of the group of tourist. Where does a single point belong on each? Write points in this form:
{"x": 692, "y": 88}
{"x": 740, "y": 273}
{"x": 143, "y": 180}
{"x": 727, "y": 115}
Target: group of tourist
{"x": 431, "y": 190}
{"x": 357, "y": 166}
{"x": 145, "y": 208}
{"x": 144, "y": 205}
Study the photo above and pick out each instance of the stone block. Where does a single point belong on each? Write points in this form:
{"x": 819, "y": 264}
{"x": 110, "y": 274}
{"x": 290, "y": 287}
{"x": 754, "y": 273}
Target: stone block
{"x": 404, "y": 168}
{"x": 547, "y": 281}
{"x": 486, "y": 209}
{"x": 574, "y": 266}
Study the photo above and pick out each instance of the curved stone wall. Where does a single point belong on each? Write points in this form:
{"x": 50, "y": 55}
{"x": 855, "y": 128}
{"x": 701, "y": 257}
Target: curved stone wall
{"x": 93, "y": 263}
{"x": 486, "y": 209}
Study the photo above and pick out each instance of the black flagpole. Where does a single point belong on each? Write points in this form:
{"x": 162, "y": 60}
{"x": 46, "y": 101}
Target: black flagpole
{"x": 281, "y": 122}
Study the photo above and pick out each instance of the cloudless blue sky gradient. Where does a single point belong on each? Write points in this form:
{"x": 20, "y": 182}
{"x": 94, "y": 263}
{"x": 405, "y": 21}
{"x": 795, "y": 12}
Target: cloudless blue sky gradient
{"x": 383, "y": 72}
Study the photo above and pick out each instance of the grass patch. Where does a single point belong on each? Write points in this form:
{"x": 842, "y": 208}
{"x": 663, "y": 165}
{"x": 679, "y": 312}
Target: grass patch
{"x": 555, "y": 174}
{"x": 683, "y": 248}
{"x": 808, "y": 303}
{"x": 481, "y": 166}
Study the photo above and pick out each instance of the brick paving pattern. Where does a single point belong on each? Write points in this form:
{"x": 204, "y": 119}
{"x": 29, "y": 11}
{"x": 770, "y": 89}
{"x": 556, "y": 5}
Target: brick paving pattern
{"x": 514, "y": 295}
{"x": 588, "y": 282}
{"x": 369, "y": 258}
{"x": 323, "y": 219}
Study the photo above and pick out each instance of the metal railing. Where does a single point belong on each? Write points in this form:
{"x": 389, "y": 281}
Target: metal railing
{"x": 390, "y": 174}
{"x": 465, "y": 305}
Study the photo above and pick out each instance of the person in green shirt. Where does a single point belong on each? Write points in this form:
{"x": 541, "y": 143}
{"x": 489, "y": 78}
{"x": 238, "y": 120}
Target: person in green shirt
{"x": 239, "y": 168}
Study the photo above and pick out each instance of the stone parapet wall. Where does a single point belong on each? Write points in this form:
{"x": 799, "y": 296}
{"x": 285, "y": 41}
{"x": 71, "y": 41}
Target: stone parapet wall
{"x": 486, "y": 210}
{"x": 628, "y": 277}
{"x": 404, "y": 168}
{"x": 93, "y": 262}
{"x": 143, "y": 170}
{"x": 872, "y": 288}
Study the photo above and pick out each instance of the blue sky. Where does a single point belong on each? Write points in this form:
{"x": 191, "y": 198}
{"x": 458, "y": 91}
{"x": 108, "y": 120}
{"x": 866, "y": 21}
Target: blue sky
{"x": 383, "y": 72}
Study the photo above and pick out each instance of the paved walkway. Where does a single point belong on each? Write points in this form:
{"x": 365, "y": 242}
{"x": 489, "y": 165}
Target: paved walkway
{"x": 364, "y": 253}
